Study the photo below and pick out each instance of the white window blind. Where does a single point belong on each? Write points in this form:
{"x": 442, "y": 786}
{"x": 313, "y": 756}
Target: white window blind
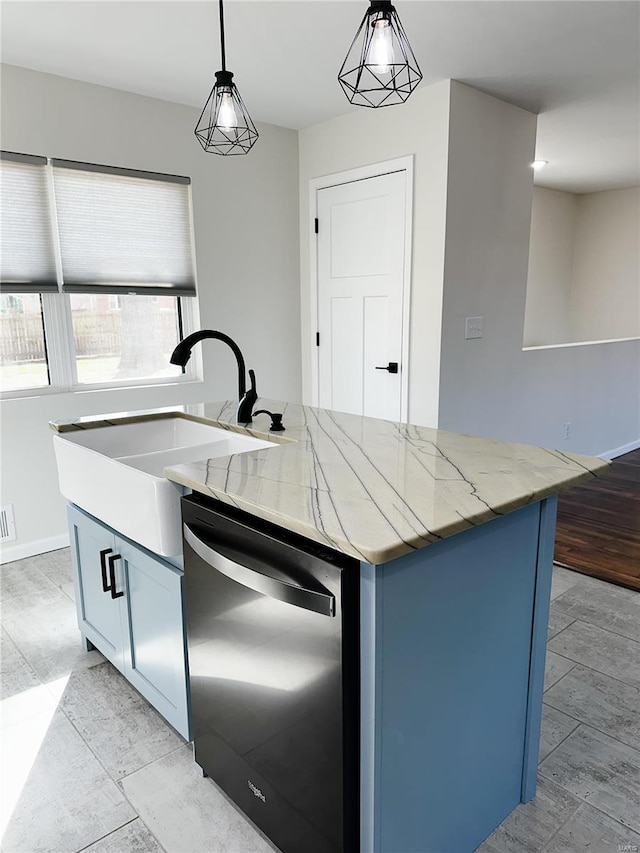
{"x": 123, "y": 231}
{"x": 27, "y": 259}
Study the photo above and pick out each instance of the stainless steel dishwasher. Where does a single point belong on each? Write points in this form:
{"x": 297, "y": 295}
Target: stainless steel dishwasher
{"x": 273, "y": 636}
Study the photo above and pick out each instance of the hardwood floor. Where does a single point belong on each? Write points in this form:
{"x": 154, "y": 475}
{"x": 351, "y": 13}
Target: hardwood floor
{"x": 598, "y": 530}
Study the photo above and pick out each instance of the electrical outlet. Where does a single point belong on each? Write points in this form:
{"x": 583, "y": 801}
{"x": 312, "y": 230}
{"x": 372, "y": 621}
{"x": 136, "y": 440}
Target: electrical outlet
{"x": 567, "y": 431}
{"x": 473, "y": 328}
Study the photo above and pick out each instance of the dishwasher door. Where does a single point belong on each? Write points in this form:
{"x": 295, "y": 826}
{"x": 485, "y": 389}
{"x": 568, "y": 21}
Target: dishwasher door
{"x": 273, "y": 660}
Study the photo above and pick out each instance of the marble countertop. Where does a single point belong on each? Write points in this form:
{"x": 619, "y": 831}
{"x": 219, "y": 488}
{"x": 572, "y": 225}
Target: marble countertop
{"x": 370, "y": 488}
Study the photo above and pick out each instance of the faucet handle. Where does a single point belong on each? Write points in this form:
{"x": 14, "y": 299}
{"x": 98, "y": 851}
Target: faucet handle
{"x": 276, "y": 419}
{"x": 244, "y": 415}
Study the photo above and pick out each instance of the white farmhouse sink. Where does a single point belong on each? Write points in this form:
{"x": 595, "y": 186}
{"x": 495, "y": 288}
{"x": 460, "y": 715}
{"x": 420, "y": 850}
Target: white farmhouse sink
{"x": 116, "y": 473}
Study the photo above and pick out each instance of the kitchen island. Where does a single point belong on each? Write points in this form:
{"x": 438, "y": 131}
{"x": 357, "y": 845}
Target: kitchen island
{"x": 453, "y": 537}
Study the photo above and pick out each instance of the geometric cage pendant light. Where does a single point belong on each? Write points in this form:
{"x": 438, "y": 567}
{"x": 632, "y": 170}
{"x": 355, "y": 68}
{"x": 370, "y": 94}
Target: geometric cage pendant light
{"x": 225, "y": 127}
{"x": 380, "y": 68}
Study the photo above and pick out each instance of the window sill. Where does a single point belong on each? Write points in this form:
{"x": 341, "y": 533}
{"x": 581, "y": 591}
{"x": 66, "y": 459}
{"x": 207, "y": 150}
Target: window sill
{"x": 82, "y": 390}
{"x": 579, "y": 344}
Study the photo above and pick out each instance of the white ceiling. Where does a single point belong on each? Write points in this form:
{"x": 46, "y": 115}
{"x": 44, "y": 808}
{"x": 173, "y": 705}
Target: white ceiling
{"x": 576, "y": 62}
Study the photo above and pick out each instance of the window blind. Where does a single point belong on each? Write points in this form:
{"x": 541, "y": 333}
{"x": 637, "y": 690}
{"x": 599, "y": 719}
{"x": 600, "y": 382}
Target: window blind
{"x": 27, "y": 259}
{"x": 123, "y": 231}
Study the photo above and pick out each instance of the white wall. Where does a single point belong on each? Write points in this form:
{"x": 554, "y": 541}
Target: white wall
{"x": 584, "y": 267}
{"x": 605, "y": 292}
{"x": 247, "y": 242}
{"x": 473, "y": 183}
{"x": 553, "y": 231}
{"x": 419, "y": 127}
{"x": 490, "y": 386}
{"x": 491, "y": 146}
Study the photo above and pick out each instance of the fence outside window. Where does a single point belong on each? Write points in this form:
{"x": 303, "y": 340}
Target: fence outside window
{"x": 21, "y": 338}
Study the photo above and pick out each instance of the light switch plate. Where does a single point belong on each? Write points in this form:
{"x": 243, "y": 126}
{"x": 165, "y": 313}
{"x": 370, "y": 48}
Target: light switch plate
{"x": 473, "y": 328}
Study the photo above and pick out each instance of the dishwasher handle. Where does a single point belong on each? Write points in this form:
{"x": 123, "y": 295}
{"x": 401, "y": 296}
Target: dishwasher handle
{"x": 308, "y": 599}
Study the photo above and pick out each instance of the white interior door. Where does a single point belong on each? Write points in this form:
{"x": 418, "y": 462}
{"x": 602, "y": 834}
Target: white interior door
{"x": 361, "y": 274}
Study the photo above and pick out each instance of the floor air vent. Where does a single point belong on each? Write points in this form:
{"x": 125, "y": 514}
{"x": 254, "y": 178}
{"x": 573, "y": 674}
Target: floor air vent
{"x": 7, "y": 525}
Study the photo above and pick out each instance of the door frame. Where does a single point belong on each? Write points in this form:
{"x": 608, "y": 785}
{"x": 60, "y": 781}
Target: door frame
{"x": 374, "y": 170}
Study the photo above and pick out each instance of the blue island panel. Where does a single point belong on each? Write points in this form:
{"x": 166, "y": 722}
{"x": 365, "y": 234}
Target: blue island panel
{"x": 456, "y": 699}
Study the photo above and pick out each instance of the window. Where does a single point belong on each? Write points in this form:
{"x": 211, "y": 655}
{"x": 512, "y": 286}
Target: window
{"x": 23, "y": 355}
{"x": 134, "y": 342}
{"x": 97, "y": 275}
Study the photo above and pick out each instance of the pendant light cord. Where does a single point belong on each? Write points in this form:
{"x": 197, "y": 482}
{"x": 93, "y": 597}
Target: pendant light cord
{"x": 222, "y": 50}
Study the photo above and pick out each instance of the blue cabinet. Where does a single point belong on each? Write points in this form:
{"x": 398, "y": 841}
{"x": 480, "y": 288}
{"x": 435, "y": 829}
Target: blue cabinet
{"x": 154, "y": 651}
{"x": 452, "y": 670}
{"x": 99, "y": 607}
{"x": 130, "y": 606}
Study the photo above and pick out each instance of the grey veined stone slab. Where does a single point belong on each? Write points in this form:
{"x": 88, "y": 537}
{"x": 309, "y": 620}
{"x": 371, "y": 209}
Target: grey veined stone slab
{"x": 56, "y": 794}
{"x": 132, "y": 838}
{"x": 556, "y": 726}
{"x": 43, "y": 626}
{"x": 608, "y": 606}
{"x": 530, "y": 826}
{"x": 56, "y": 567}
{"x": 555, "y": 667}
{"x": 16, "y": 676}
{"x": 22, "y": 578}
{"x": 557, "y": 622}
{"x": 189, "y": 814}
{"x": 123, "y": 730}
{"x": 602, "y": 702}
{"x": 601, "y": 771}
{"x": 590, "y": 831}
{"x": 598, "y": 649}
{"x": 562, "y": 580}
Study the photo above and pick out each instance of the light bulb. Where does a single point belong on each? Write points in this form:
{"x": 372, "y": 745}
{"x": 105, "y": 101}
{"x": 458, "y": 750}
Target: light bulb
{"x": 380, "y": 53}
{"x": 227, "y": 118}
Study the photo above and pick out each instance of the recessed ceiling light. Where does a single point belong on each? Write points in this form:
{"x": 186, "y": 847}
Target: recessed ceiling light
{"x": 539, "y": 164}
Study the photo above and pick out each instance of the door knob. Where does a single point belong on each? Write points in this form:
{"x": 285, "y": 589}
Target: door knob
{"x": 392, "y": 367}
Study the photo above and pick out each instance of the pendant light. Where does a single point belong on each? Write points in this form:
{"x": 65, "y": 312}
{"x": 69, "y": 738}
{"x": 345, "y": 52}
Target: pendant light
{"x": 225, "y": 126}
{"x": 380, "y": 68}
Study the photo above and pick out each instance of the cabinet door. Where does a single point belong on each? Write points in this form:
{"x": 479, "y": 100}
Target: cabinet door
{"x": 99, "y": 612}
{"x": 155, "y": 654}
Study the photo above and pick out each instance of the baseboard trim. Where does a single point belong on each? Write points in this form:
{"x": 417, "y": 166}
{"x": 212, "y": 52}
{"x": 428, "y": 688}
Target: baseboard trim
{"x": 31, "y": 549}
{"x": 620, "y": 451}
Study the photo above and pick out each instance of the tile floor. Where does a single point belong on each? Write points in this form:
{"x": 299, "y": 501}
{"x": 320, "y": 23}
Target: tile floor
{"x": 89, "y": 766}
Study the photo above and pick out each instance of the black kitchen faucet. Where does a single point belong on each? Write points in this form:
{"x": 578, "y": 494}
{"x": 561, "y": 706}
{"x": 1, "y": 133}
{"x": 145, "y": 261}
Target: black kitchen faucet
{"x": 182, "y": 354}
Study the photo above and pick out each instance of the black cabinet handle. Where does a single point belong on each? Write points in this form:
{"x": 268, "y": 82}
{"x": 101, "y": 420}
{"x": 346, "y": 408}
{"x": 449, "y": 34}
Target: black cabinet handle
{"x": 112, "y": 575}
{"x": 392, "y": 367}
{"x": 103, "y": 568}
